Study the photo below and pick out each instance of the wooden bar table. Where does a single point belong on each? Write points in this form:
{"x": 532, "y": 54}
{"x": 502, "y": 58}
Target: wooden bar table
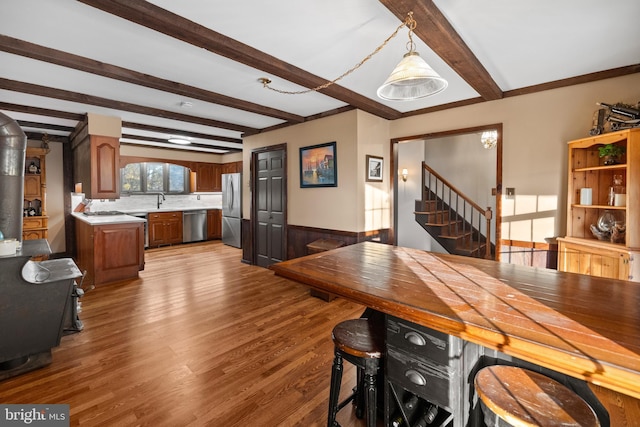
{"x": 582, "y": 326}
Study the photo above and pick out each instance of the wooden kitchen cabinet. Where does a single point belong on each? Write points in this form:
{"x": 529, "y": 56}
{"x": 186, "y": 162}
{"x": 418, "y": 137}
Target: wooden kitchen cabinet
{"x": 109, "y": 252}
{"x": 165, "y": 228}
{"x": 580, "y": 251}
{"x": 214, "y": 224}
{"x": 97, "y": 166}
{"x": 35, "y": 224}
{"x": 209, "y": 177}
{"x": 232, "y": 167}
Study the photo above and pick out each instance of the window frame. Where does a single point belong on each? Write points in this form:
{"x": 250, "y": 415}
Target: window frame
{"x": 165, "y": 179}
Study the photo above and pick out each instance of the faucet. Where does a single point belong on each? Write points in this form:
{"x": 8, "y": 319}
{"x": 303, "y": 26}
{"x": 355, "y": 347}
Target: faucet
{"x": 160, "y": 201}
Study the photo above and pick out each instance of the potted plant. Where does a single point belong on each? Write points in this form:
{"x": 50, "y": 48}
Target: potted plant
{"x": 611, "y": 153}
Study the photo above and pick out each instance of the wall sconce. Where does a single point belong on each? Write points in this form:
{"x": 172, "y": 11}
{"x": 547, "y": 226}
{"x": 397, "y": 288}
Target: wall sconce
{"x": 405, "y": 174}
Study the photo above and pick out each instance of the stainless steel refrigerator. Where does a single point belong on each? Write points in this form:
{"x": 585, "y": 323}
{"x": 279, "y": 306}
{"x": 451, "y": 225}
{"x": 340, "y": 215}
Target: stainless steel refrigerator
{"x": 232, "y": 209}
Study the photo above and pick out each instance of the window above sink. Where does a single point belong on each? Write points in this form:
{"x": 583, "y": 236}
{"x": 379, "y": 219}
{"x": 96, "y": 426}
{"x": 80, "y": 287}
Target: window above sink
{"x": 153, "y": 178}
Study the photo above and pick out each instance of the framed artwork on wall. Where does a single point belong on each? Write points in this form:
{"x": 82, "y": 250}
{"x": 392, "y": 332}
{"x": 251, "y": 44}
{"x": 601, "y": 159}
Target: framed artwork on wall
{"x": 319, "y": 166}
{"x": 374, "y": 168}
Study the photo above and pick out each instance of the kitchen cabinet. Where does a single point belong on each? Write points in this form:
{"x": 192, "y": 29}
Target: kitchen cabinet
{"x": 232, "y": 167}
{"x": 165, "y": 228}
{"x": 97, "y": 166}
{"x": 209, "y": 175}
{"x": 109, "y": 252}
{"x": 580, "y": 251}
{"x": 214, "y": 224}
{"x": 35, "y": 221}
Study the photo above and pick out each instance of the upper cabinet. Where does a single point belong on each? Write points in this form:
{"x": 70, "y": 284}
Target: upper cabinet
{"x": 96, "y": 157}
{"x": 231, "y": 167}
{"x": 603, "y": 207}
{"x": 208, "y": 178}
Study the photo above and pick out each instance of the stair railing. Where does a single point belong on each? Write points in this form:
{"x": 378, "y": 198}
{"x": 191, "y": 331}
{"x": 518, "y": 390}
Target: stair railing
{"x": 465, "y": 216}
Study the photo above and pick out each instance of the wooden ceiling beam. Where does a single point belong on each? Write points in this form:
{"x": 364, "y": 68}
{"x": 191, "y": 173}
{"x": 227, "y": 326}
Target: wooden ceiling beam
{"x": 438, "y": 33}
{"x": 58, "y": 57}
{"x": 151, "y": 16}
{"x": 41, "y": 111}
{"x": 176, "y": 132}
{"x": 169, "y": 145}
{"x": 46, "y": 126}
{"x": 65, "y": 95}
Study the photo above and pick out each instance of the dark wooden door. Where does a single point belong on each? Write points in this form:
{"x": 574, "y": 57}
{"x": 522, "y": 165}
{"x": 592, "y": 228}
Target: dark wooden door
{"x": 270, "y": 204}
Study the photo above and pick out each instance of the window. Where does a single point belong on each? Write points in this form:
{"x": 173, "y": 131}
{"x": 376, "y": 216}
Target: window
{"x": 151, "y": 177}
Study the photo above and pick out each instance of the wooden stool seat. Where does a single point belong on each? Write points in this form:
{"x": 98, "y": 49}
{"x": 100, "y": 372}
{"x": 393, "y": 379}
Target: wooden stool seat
{"x": 358, "y": 338}
{"x": 521, "y": 397}
{"x": 360, "y": 342}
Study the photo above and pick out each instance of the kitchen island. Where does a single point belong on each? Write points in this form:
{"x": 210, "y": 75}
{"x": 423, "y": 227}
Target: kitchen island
{"x": 110, "y": 247}
{"x": 580, "y": 326}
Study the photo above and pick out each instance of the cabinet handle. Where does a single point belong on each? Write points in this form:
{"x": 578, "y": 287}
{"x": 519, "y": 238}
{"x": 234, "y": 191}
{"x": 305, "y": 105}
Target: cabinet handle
{"x": 415, "y": 338}
{"x": 416, "y": 377}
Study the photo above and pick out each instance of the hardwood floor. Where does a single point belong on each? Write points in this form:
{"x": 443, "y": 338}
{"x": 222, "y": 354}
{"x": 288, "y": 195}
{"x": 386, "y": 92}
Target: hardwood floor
{"x": 200, "y": 339}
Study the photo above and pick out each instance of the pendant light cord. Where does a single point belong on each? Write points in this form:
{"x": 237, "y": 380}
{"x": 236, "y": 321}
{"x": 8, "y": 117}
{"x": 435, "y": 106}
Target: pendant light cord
{"x": 409, "y": 22}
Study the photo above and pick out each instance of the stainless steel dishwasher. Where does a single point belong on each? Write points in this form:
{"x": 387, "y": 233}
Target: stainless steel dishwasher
{"x": 194, "y": 226}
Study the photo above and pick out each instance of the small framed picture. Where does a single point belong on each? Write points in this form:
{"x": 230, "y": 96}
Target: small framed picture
{"x": 374, "y": 168}
{"x": 319, "y": 166}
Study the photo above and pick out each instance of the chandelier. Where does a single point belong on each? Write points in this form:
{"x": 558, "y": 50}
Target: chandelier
{"x": 489, "y": 139}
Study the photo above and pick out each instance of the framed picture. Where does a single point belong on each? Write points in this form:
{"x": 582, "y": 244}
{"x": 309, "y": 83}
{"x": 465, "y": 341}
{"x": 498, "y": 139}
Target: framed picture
{"x": 374, "y": 168}
{"x": 319, "y": 166}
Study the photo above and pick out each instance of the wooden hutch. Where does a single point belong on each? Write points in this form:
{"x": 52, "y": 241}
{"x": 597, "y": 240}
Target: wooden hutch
{"x": 35, "y": 220}
{"x": 581, "y": 251}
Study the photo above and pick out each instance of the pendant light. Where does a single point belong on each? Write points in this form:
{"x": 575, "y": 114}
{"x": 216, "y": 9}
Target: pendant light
{"x": 412, "y": 78}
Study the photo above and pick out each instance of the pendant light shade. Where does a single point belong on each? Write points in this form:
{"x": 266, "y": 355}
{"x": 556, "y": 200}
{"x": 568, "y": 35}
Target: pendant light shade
{"x": 412, "y": 79}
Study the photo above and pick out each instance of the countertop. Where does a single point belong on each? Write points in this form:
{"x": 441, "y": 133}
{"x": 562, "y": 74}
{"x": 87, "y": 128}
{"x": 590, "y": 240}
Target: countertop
{"x": 582, "y": 326}
{"x": 169, "y": 209}
{"x": 106, "y": 219}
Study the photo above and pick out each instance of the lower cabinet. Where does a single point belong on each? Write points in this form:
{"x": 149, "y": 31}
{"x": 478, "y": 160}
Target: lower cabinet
{"x": 214, "y": 224}
{"x": 595, "y": 258}
{"x": 110, "y": 252}
{"x": 165, "y": 228}
{"x": 428, "y": 377}
{"x": 35, "y": 227}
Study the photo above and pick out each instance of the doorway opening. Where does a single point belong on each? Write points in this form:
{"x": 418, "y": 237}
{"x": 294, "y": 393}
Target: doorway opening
{"x": 460, "y": 156}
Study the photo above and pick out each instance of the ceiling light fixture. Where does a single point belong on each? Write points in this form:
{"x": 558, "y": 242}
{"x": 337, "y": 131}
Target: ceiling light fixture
{"x": 489, "y": 139}
{"x": 180, "y": 141}
{"x": 412, "y": 78}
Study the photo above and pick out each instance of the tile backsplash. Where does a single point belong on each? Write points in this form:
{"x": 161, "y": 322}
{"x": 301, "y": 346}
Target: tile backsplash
{"x": 149, "y": 202}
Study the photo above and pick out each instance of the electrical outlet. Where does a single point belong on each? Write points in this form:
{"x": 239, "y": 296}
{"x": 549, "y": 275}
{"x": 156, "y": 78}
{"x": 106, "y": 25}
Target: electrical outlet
{"x": 511, "y": 191}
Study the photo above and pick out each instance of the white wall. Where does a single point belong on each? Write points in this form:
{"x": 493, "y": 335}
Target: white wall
{"x": 409, "y": 233}
{"x": 327, "y": 207}
{"x": 536, "y": 129}
{"x": 55, "y": 196}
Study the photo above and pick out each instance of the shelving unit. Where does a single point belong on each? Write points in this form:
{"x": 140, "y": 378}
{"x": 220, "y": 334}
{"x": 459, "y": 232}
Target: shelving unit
{"x": 581, "y": 251}
{"x": 35, "y": 222}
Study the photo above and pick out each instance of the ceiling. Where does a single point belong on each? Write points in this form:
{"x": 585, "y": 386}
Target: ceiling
{"x": 191, "y": 68}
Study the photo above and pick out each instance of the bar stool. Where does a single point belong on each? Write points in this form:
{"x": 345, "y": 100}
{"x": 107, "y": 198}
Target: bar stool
{"x": 360, "y": 342}
{"x": 512, "y": 396}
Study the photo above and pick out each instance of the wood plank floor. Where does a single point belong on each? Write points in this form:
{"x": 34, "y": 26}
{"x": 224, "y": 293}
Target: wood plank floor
{"x": 200, "y": 339}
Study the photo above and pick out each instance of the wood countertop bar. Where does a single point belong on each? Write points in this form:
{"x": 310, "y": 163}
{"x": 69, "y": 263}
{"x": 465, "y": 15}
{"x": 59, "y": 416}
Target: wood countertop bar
{"x": 582, "y": 326}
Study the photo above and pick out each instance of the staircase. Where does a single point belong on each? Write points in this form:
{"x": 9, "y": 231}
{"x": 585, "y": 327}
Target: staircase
{"x": 452, "y": 218}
